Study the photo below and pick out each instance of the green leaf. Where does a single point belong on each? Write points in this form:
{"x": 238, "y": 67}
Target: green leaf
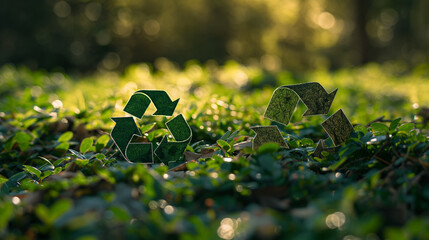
{"x": 156, "y": 133}
{"x": 395, "y": 234}
{"x": 28, "y": 122}
{"x": 48, "y": 216}
{"x": 100, "y": 156}
{"x": 406, "y": 127}
{"x": 225, "y": 136}
{"x": 2, "y": 180}
{"x": 17, "y": 177}
{"x": 361, "y": 128}
{"x": 82, "y": 162}
{"x": 58, "y": 170}
{"x": 191, "y": 165}
{"x": 325, "y": 153}
{"x": 106, "y": 175}
{"x": 47, "y": 161}
{"x": 268, "y": 148}
{"x": 6, "y": 211}
{"x": 23, "y": 139}
{"x": 46, "y": 174}
{"x": 86, "y": 144}
{"x": 65, "y": 137}
{"x": 101, "y": 142}
{"x": 9, "y": 144}
{"x": 64, "y": 146}
{"x": 59, "y": 161}
{"x": 337, "y": 164}
{"x": 4, "y": 189}
{"x": 379, "y": 127}
{"x": 32, "y": 170}
{"x": 59, "y": 208}
{"x": 394, "y": 124}
{"x": 120, "y": 213}
{"x": 77, "y": 154}
{"x": 365, "y": 138}
{"x": 147, "y": 127}
{"x": 42, "y": 213}
{"x": 232, "y": 136}
{"x": 223, "y": 144}
{"x": 307, "y": 142}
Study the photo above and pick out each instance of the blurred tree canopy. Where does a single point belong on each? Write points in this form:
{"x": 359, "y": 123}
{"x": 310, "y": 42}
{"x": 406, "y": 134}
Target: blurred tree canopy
{"x": 86, "y": 35}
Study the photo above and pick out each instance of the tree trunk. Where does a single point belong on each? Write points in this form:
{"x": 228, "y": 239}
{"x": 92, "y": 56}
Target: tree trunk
{"x": 361, "y": 41}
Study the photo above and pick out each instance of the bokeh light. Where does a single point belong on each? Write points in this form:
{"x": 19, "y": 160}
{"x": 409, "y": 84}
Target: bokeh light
{"x": 227, "y": 228}
{"x": 335, "y": 220}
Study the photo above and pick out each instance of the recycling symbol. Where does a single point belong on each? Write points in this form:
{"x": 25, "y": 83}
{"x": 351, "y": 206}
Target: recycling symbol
{"x": 126, "y": 129}
{"x": 317, "y": 100}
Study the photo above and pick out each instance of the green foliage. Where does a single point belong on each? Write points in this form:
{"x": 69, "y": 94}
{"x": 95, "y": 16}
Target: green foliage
{"x": 49, "y": 215}
{"x": 299, "y": 35}
{"x": 61, "y": 176}
{"x": 86, "y": 144}
{"x": 32, "y": 170}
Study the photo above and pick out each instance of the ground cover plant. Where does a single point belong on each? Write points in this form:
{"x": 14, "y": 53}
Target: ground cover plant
{"x": 61, "y": 176}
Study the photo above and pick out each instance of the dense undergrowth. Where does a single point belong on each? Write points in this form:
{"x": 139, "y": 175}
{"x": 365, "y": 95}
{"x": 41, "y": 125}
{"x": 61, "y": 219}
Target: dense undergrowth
{"x": 61, "y": 176}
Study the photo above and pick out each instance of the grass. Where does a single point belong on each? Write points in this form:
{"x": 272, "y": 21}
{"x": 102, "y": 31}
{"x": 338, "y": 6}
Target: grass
{"x": 61, "y": 176}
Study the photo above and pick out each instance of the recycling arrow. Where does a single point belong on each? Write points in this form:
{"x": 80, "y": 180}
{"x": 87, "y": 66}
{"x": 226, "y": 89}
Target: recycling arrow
{"x": 171, "y": 151}
{"x": 285, "y": 98}
{"x": 317, "y": 100}
{"x": 338, "y": 128}
{"x": 266, "y": 134}
{"x": 122, "y": 134}
{"x": 125, "y": 130}
{"x": 315, "y": 97}
{"x": 140, "y": 100}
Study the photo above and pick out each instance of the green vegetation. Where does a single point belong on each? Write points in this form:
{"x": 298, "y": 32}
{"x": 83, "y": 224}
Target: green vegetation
{"x": 61, "y": 176}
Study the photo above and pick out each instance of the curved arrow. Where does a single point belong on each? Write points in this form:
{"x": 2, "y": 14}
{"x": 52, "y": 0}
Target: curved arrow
{"x": 315, "y": 97}
{"x": 140, "y": 100}
{"x": 267, "y": 134}
{"x": 171, "y": 151}
{"x": 285, "y": 99}
{"x": 161, "y": 100}
{"x": 282, "y": 105}
{"x": 138, "y": 152}
{"x": 123, "y": 131}
{"x": 122, "y": 134}
{"x": 338, "y": 128}
{"x": 137, "y": 104}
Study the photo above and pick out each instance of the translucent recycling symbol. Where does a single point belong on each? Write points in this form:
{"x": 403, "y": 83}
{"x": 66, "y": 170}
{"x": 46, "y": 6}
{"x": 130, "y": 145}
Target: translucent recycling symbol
{"x": 282, "y": 105}
{"x": 126, "y": 129}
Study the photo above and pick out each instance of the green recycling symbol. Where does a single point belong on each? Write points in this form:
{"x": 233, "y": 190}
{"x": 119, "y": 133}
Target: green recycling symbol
{"x": 126, "y": 129}
{"x": 282, "y": 105}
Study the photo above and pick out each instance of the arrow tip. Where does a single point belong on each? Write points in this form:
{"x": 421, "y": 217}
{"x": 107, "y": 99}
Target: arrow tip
{"x": 332, "y": 94}
{"x": 318, "y": 150}
{"x": 330, "y": 99}
{"x": 323, "y": 105}
{"x": 175, "y": 102}
{"x": 168, "y": 110}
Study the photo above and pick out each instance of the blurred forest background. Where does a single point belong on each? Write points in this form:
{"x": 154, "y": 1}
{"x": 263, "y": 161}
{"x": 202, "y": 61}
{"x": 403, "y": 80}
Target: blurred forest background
{"x": 297, "y": 35}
